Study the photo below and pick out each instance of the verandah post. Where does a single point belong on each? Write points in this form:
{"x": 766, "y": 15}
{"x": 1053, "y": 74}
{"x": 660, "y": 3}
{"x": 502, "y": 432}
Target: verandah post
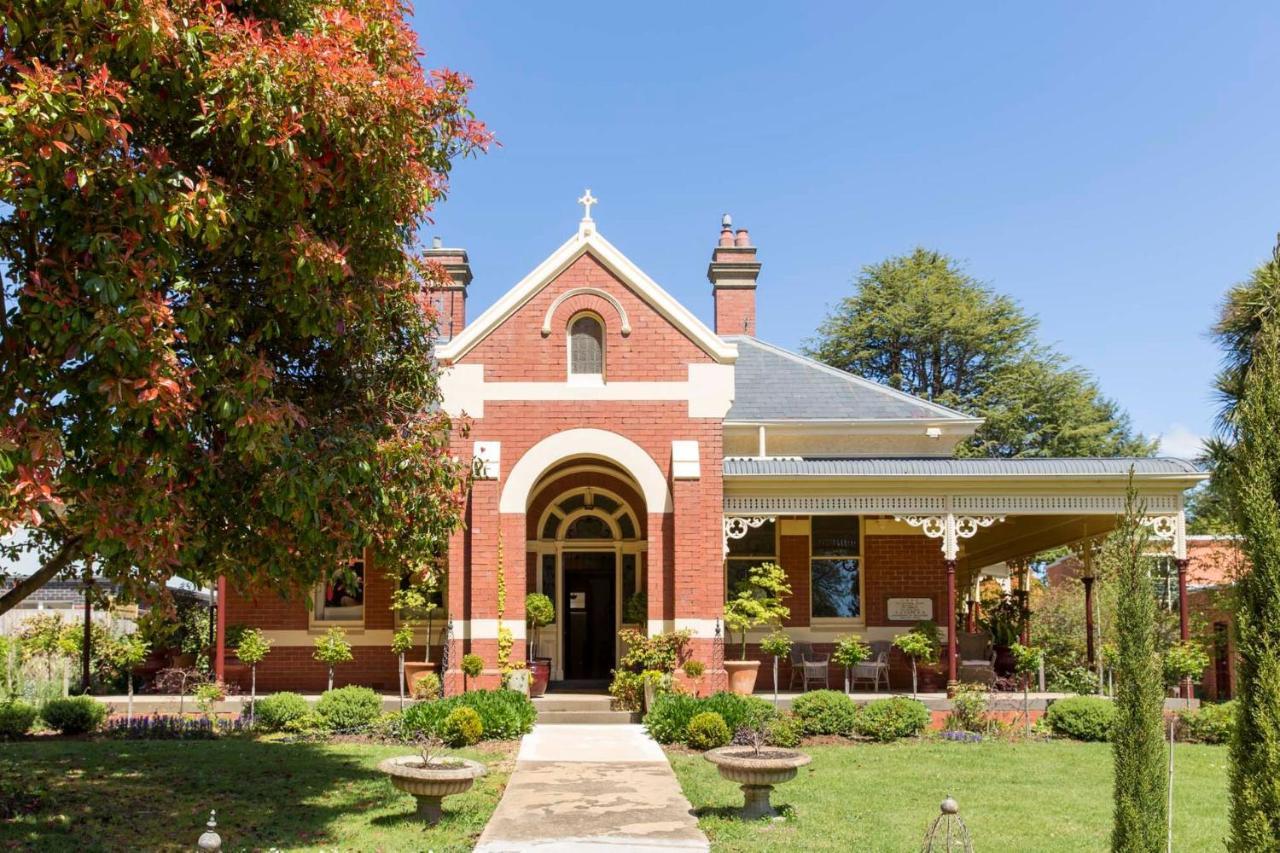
{"x": 952, "y": 661}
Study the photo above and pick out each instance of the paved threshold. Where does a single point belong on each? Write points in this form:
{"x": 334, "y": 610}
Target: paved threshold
{"x": 592, "y": 788}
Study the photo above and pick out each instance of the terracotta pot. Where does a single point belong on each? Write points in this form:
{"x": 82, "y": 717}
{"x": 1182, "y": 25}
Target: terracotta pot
{"x": 430, "y": 785}
{"x": 540, "y": 676}
{"x": 742, "y": 675}
{"x": 757, "y": 774}
{"x": 414, "y": 670}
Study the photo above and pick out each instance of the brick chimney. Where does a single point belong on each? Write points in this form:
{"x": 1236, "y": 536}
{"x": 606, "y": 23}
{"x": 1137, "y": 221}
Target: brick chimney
{"x": 450, "y": 299}
{"x": 733, "y": 272}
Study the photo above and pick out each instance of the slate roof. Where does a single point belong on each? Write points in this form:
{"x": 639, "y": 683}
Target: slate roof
{"x": 944, "y": 467}
{"x": 774, "y": 384}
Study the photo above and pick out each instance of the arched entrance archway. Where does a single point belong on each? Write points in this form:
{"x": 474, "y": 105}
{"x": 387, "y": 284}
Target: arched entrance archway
{"x": 587, "y": 534}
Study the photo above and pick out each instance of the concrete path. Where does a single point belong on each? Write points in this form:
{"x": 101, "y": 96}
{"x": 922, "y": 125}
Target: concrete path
{"x": 592, "y": 788}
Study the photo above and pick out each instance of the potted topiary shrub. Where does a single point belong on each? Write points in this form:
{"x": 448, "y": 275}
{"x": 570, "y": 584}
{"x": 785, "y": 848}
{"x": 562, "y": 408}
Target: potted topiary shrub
{"x": 758, "y": 601}
{"x": 777, "y": 645}
{"x": 415, "y": 602}
{"x": 431, "y": 775}
{"x": 472, "y": 666}
{"x": 332, "y": 649}
{"x": 849, "y": 652}
{"x": 402, "y": 644}
{"x": 921, "y": 645}
{"x": 756, "y": 767}
{"x": 538, "y": 613}
{"x": 253, "y": 648}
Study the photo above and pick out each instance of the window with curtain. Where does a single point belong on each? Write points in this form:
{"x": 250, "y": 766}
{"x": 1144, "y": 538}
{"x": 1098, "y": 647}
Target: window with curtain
{"x": 835, "y": 566}
{"x": 586, "y": 347}
{"x": 760, "y": 545}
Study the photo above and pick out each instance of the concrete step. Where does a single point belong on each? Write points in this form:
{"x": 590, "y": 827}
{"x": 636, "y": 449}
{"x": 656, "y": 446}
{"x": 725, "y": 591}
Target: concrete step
{"x": 573, "y": 702}
{"x": 595, "y": 718}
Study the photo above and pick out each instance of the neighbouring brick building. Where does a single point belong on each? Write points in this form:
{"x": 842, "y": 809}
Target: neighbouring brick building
{"x": 632, "y": 462}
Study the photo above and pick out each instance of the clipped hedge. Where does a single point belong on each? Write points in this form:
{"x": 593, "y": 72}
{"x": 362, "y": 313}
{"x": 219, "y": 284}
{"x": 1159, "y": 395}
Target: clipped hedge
{"x": 825, "y": 712}
{"x": 278, "y": 710}
{"x": 349, "y": 707}
{"x": 668, "y": 719}
{"x": 16, "y": 718}
{"x": 707, "y": 730}
{"x": 1209, "y": 723}
{"x": 504, "y": 714}
{"x": 74, "y": 716}
{"x": 1087, "y": 718}
{"x": 890, "y": 719}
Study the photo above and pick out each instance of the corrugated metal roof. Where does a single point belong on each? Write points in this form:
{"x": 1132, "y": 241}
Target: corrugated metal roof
{"x": 944, "y": 467}
{"x": 774, "y": 384}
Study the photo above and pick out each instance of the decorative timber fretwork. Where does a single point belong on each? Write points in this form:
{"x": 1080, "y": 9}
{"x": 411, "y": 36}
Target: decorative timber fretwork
{"x": 1058, "y": 504}
{"x": 835, "y": 504}
{"x": 738, "y": 526}
{"x": 950, "y": 528}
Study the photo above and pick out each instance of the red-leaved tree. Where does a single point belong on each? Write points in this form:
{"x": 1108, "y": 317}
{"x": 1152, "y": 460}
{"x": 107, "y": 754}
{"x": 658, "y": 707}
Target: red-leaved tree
{"x": 216, "y": 351}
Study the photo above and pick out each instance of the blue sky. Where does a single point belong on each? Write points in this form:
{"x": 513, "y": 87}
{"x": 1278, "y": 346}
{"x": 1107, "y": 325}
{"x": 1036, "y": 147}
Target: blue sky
{"x": 1112, "y": 166}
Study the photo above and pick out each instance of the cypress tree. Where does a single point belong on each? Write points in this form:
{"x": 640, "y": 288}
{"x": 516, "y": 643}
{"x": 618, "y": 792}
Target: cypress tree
{"x": 1255, "y": 488}
{"x": 1138, "y": 737}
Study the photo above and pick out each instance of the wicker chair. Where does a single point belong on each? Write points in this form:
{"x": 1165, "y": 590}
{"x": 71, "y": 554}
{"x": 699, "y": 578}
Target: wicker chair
{"x": 977, "y": 658}
{"x": 799, "y": 651}
{"x": 874, "y": 669}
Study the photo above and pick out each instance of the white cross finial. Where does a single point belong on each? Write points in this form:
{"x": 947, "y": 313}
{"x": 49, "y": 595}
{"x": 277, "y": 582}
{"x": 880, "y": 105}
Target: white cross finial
{"x": 586, "y": 201}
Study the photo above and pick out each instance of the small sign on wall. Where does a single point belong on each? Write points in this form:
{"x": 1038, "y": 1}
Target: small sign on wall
{"x": 909, "y": 609}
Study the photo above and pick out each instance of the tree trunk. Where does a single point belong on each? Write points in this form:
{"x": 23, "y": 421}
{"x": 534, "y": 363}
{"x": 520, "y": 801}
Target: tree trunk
{"x": 401, "y": 671}
{"x": 128, "y": 714}
{"x": 253, "y": 692}
{"x": 915, "y": 694}
{"x": 41, "y": 576}
{"x": 330, "y": 678}
{"x": 775, "y": 681}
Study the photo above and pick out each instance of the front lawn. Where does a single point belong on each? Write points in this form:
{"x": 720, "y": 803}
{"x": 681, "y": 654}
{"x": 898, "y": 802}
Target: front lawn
{"x": 156, "y": 795}
{"x": 1033, "y": 796}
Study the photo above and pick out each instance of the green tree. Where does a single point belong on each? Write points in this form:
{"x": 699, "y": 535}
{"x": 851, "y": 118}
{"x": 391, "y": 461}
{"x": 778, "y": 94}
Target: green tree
{"x": 1138, "y": 737}
{"x": 918, "y": 323}
{"x": 1255, "y": 747}
{"x": 216, "y": 352}
{"x": 253, "y": 649}
{"x": 757, "y": 601}
{"x": 332, "y": 649}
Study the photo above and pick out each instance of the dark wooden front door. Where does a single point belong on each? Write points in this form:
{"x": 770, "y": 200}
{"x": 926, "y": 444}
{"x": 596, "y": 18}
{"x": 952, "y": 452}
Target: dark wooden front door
{"x": 590, "y": 618}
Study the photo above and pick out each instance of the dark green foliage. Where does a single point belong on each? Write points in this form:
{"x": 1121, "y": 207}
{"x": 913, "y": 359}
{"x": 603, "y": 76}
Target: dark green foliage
{"x": 889, "y": 719}
{"x": 16, "y": 718}
{"x": 1255, "y": 483}
{"x": 736, "y": 710}
{"x": 349, "y": 707}
{"x": 1209, "y": 723}
{"x": 1088, "y": 718}
{"x": 920, "y": 324}
{"x": 968, "y": 709}
{"x": 825, "y": 712}
{"x": 707, "y": 730}
{"x": 1137, "y": 737}
{"x": 668, "y": 719}
{"x": 274, "y": 712}
{"x": 784, "y": 731}
{"x": 74, "y": 716}
{"x": 462, "y": 727}
{"x": 504, "y": 714}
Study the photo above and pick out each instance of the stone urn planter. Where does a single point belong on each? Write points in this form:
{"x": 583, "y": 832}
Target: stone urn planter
{"x": 757, "y": 773}
{"x": 742, "y": 675}
{"x": 413, "y": 670}
{"x": 431, "y": 783}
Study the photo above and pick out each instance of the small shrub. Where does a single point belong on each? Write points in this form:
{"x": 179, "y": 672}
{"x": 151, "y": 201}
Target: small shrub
{"x": 668, "y": 719}
{"x": 388, "y": 726}
{"x": 736, "y": 710}
{"x": 74, "y": 716}
{"x": 627, "y": 690}
{"x": 707, "y": 730}
{"x": 16, "y": 718}
{"x": 693, "y": 668}
{"x": 825, "y": 712}
{"x": 427, "y": 687}
{"x": 274, "y": 712}
{"x": 968, "y": 709}
{"x": 1208, "y": 724}
{"x": 1088, "y": 718}
{"x": 349, "y": 707}
{"x": 308, "y": 723}
{"x": 504, "y": 714}
{"x": 1078, "y": 679}
{"x": 462, "y": 727}
{"x": 889, "y": 719}
{"x": 783, "y": 731}
{"x": 208, "y": 693}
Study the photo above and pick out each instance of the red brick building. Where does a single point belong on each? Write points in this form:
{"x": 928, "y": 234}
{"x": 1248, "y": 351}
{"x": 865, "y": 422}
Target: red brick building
{"x": 632, "y": 461}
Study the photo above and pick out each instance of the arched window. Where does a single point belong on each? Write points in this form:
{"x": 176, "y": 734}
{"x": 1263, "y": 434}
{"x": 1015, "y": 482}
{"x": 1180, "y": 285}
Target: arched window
{"x": 586, "y": 347}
